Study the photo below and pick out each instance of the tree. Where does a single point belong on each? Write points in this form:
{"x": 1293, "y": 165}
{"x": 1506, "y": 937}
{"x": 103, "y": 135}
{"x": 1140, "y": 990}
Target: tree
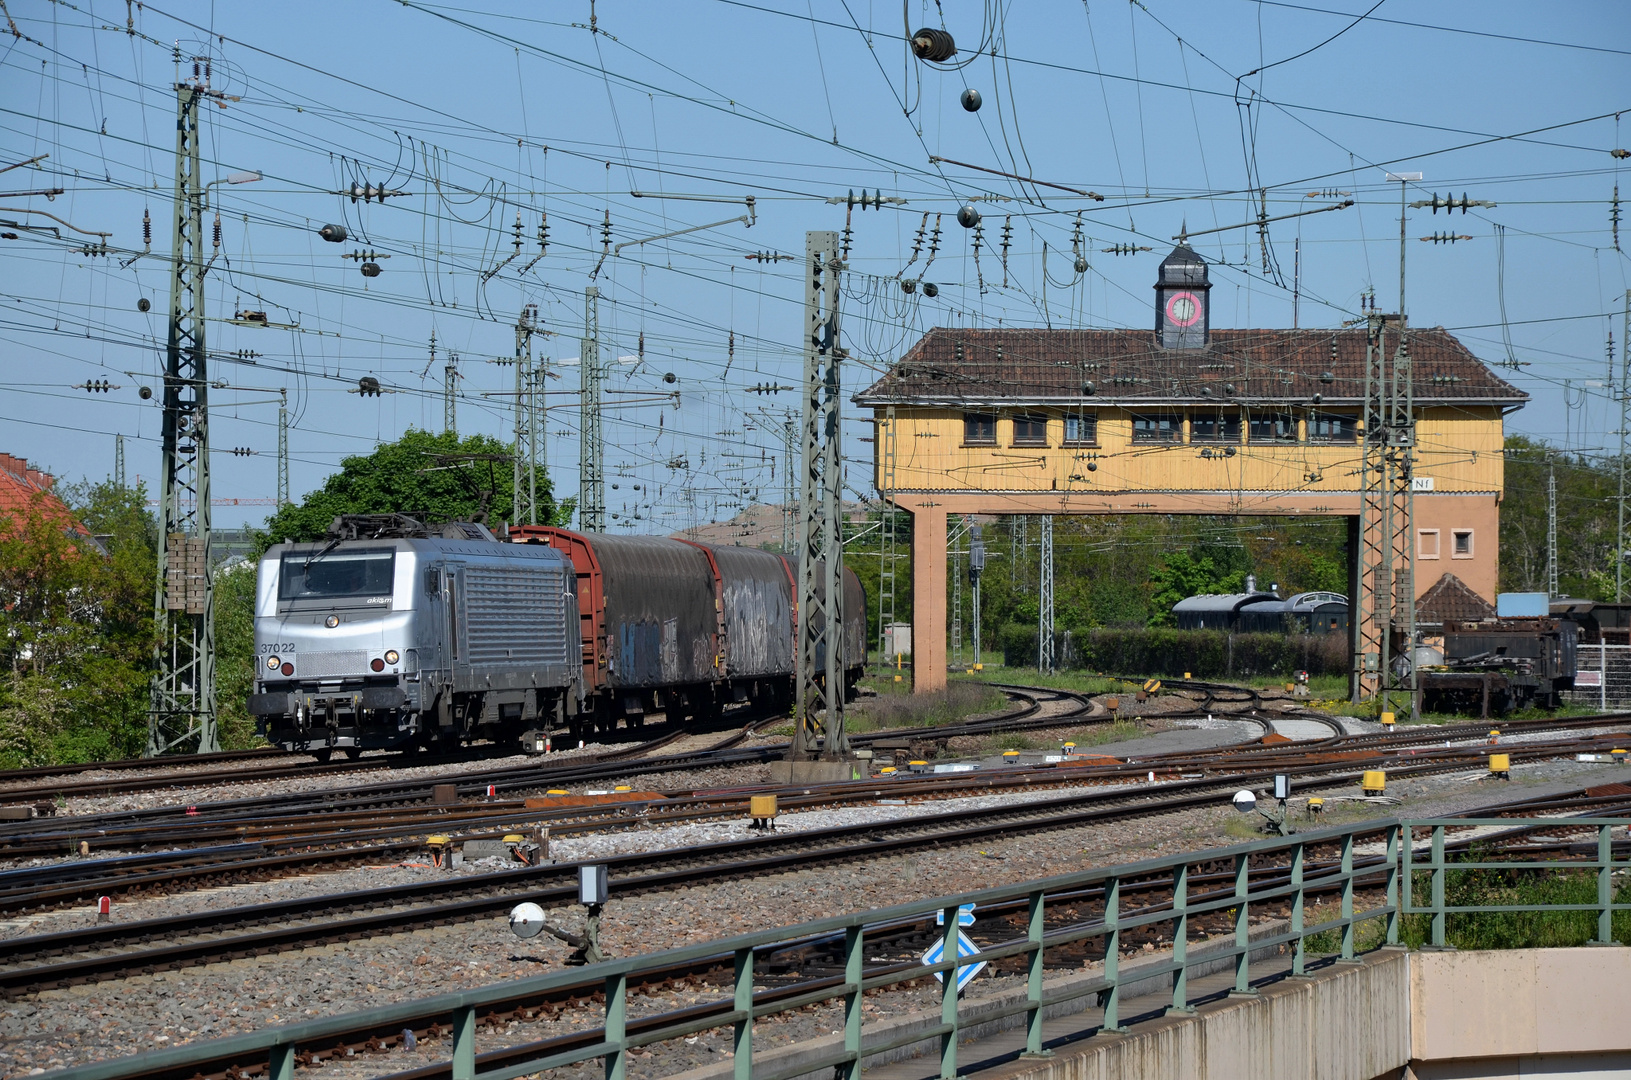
{"x": 1587, "y": 520}
{"x": 76, "y": 625}
{"x": 439, "y": 477}
{"x": 1181, "y": 575}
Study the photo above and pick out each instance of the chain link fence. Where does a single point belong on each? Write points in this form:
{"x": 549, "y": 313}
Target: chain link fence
{"x": 1602, "y": 677}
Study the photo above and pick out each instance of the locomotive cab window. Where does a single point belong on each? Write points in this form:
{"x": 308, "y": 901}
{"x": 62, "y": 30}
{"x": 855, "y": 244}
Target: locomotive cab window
{"x": 979, "y": 428}
{"x": 337, "y": 575}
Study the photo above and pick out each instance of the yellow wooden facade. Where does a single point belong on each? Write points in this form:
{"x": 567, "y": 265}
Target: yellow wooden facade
{"x": 1458, "y": 447}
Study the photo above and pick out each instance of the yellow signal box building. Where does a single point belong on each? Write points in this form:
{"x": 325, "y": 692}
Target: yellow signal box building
{"x": 1181, "y": 420}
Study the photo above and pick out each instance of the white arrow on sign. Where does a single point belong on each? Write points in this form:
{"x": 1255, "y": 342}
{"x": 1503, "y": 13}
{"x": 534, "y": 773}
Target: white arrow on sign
{"x": 965, "y": 916}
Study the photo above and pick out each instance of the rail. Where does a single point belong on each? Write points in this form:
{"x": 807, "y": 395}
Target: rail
{"x": 1275, "y": 874}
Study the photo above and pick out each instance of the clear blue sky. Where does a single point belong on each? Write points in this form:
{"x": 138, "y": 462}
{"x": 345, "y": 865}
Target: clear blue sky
{"x": 481, "y": 111}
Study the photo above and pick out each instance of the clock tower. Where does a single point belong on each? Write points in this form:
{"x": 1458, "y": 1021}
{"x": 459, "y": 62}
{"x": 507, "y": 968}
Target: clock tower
{"x": 1181, "y": 315}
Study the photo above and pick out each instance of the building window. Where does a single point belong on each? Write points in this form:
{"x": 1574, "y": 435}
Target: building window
{"x": 1030, "y": 430}
{"x": 980, "y": 428}
{"x": 1158, "y": 427}
{"x": 1082, "y": 430}
{"x": 1218, "y": 427}
{"x": 1332, "y": 428}
{"x": 1272, "y": 427}
{"x": 1461, "y": 543}
{"x": 1426, "y": 543}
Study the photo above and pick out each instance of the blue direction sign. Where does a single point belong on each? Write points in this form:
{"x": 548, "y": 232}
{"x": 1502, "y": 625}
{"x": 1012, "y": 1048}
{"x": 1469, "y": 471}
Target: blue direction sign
{"x": 965, "y": 947}
{"x": 965, "y": 916}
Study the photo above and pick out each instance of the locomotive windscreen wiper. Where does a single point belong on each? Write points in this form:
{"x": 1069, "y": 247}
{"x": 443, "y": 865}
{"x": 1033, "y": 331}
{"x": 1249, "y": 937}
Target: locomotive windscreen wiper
{"x": 314, "y": 556}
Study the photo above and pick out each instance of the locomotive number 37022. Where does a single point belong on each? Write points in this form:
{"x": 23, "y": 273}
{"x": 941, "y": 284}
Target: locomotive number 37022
{"x": 269, "y": 648}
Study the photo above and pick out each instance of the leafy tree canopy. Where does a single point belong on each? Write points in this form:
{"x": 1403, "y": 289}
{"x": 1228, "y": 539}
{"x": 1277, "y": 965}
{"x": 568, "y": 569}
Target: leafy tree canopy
{"x": 76, "y": 626}
{"x": 1182, "y": 574}
{"x": 439, "y": 477}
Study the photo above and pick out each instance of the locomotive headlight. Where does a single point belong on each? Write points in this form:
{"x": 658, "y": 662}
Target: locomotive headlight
{"x": 332, "y": 621}
{"x": 271, "y": 663}
{"x": 392, "y": 656}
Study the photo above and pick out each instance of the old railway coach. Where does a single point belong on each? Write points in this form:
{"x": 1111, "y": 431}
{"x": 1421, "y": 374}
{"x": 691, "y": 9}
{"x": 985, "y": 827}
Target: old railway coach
{"x": 398, "y": 640}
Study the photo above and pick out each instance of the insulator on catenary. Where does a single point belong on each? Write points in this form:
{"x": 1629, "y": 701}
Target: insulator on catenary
{"x": 971, "y": 100}
{"x": 147, "y": 230}
{"x": 968, "y": 217}
{"x": 935, "y": 46}
{"x": 334, "y": 234}
{"x": 370, "y": 269}
{"x": 930, "y": 289}
{"x": 144, "y": 304}
{"x": 217, "y": 230}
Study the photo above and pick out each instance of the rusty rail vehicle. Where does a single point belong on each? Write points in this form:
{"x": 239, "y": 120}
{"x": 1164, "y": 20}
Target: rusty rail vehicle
{"x": 684, "y": 628}
{"x": 1496, "y": 665}
{"x": 392, "y": 634}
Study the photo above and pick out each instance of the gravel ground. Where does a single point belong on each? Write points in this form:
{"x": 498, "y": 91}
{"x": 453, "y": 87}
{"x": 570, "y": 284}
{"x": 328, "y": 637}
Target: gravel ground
{"x": 93, "y": 1022}
{"x": 180, "y": 793}
{"x": 89, "y": 1023}
{"x": 109, "y": 1019}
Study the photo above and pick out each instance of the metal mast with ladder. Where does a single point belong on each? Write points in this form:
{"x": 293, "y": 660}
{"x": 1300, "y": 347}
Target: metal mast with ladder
{"x": 181, "y": 712}
{"x": 820, "y": 686}
{"x": 888, "y": 553}
{"x": 524, "y": 474}
{"x": 591, "y": 464}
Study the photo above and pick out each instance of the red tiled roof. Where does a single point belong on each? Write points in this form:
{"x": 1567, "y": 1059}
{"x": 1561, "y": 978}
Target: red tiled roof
{"x": 1450, "y": 600}
{"x": 23, "y": 487}
{"x": 962, "y": 366}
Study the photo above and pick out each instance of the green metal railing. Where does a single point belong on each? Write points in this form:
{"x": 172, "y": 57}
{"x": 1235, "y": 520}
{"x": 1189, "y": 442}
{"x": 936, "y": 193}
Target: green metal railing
{"x": 1438, "y": 868}
{"x": 1281, "y": 872}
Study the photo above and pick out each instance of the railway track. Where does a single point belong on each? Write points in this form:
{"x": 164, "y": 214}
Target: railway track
{"x": 257, "y": 846}
{"x": 797, "y": 967}
{"x": 33, "y": 963}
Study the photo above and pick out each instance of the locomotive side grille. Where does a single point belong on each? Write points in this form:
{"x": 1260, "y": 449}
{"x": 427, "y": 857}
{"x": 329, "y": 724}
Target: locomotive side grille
{"x": 516, "y": 616}
{"x": 337, "y": 662}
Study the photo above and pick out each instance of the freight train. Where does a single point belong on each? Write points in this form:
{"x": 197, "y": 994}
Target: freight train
{"x": 392, "y": 634}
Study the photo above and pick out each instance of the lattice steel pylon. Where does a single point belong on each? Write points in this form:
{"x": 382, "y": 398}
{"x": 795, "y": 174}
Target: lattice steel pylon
{"x": 976, "y": 569}
{"x": 181, "y": 713}
{"x": 820, "y": 539}
{"x": 887, "y": 551}
{"x": 1044, "y": 638}
{"x": 450, "y": 394}
{"x": 1385, "y": 611}
{"x": 283, "y": 450}
{"x": 1551, "y": 526}
{"x": 790, "y": 457}
{"x": 524, "y": 473}
{"x": 1373, "y": 606}
{"x": 119, "y": 462}
{"x": 591, "y": 458}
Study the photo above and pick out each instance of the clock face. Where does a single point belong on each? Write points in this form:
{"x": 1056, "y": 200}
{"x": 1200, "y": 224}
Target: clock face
{"x": 1183, "y": 309}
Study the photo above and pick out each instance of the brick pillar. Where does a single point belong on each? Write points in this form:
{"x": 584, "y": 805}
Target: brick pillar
{"x": 928, "y": 599}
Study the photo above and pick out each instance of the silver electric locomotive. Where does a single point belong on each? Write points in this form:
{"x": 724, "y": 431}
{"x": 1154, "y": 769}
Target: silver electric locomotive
{"x": 396, "y": 640}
